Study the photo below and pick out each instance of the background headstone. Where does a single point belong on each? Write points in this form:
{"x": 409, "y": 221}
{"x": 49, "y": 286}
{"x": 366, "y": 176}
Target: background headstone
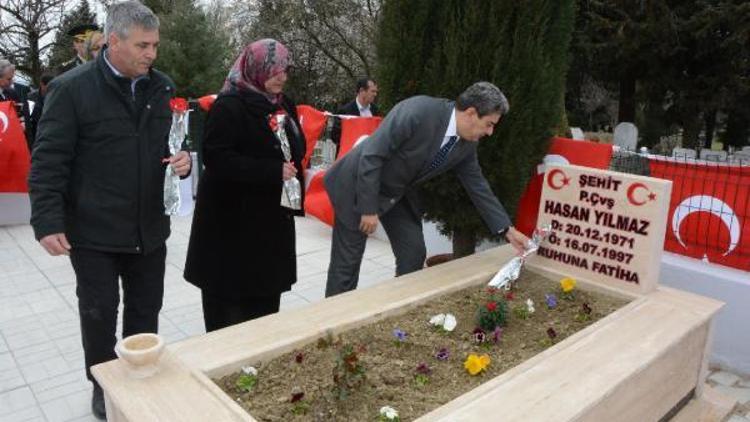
{"x": 626, "y": 136}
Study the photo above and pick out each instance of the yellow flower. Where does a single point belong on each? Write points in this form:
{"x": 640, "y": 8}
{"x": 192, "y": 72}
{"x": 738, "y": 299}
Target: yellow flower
{"x": 568, "y": 284}
{"x": 475, "y": 364}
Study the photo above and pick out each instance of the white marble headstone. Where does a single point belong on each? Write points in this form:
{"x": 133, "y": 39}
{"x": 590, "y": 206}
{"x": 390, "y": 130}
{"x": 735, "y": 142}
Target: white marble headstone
{"x": 626, "y": 136}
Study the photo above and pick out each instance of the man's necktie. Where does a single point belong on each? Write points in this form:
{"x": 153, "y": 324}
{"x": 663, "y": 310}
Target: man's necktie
{"x": 443, "y": 153}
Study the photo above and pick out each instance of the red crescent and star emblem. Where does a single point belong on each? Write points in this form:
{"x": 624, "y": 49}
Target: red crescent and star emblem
{"x": 633, "y": 194}
{"x": 557, "y": 183}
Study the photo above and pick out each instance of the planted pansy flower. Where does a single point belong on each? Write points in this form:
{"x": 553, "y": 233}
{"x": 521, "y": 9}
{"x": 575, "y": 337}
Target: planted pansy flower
{"x": 551, "y": 300}
{"x": 247, "y": 380}
{"x": 443, "y": 354}
{"x": 422, "y": 368}
{"x": 387, "y": 413}
{"x": 551, "y": 333}
{"x": 497, "y": 334}
{"x": 530, "y": 306}
{"x": 479, "y": 335}
{"x": 250, "y": 370}
{"x": 400, "y": 335}
{"x": 422, "y": 377}
{"x": 492, "y": 291}
{"x": 476, "y": 364}
{"x": 299, "y": 357}
{"x": 568, "y": 284}
{"x": 510, "y": 296}
{"x": 586, "y": 309}
{"x": 297, "y": 396}
{"x": 445, "y": 321}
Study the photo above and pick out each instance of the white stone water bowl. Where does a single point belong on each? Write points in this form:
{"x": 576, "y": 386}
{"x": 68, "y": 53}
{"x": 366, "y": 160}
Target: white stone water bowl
{"x": 141, "y": 353}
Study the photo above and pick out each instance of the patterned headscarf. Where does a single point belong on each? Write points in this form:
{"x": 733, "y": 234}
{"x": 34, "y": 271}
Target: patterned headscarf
{"x": 258, "y": 62}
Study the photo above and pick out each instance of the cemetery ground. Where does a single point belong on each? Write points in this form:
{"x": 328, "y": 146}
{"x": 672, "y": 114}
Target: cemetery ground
{"x": 41, "y": 358}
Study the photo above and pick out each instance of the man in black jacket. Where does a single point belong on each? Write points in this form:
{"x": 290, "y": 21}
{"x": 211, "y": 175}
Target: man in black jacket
{"x": 97, "y": 181}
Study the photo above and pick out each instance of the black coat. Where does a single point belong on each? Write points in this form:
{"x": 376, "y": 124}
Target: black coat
{"x": 96, "y": 169}
{"x": 242, "y": 242}
{"x": 352, "y": 109}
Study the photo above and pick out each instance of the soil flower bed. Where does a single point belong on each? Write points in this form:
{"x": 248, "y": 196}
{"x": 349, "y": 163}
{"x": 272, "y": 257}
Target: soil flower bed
{"x": 410, "y": 363}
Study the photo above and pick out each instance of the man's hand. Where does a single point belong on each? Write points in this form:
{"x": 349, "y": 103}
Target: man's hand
{"x": 56, "y": 244}
{"x": 517, "y": 239}
{"x": 368, "y": 223}
{"x": 180, "y": 163}
{"x": 288, "y": 171}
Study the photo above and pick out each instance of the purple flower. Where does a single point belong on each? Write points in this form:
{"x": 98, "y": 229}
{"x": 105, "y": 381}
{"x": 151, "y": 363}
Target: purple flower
{"x": 497, "y": 334}
{"x": 400, "y": 335}
{"x": 297, "y": 397}
{"x": 551, "y": 300}
{"x": 551, "y": 333}
{"x": 423, "y": 369}
{"x": 479, "y": 335}
{"x": 586, "y": 308}
{"x": 442, "y": 354}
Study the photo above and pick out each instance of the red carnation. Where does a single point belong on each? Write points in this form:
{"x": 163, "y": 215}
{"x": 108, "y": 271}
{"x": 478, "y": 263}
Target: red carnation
{"x": 491, "y": 306}
{"x": 178, "y": 105}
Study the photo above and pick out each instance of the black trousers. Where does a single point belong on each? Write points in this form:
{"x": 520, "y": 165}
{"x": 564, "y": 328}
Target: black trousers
{"x": 98, "y": 291}
{"x": 219, "y": 312}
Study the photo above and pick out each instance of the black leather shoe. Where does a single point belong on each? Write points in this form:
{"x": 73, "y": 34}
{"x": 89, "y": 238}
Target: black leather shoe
{"x": 97, "y": 403}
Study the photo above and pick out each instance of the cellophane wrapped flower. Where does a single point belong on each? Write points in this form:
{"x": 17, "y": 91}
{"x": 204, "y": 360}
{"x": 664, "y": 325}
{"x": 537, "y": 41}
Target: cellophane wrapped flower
{"x": 177, "y": 131}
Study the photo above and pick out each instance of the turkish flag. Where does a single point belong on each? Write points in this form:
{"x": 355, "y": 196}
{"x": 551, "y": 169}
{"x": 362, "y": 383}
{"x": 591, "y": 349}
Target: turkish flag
{"x": 561, "y": 151}
{"x": 317, "y": 202}
{"x": 709, "y": 212}
{"x": 15, "y": 160}
{"x": 313, "y": 123}
{"x": 355, "y": 128}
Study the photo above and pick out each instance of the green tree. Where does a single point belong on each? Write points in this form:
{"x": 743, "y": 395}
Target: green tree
{"x": 195, "y": 52}
{"x": 440, "y": 48}
{"x": 62, "y": 50}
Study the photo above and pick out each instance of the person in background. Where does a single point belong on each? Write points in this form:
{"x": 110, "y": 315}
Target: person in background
{"x": 363, "y": 104}
{"x": 97, "y": 182}
{"x": 37, "y": 97}
{"x": 79, "y": 34}
{"x": 93, "y": 45}
{"x": 242, "y": 251}
{"x": 12, "y": 91}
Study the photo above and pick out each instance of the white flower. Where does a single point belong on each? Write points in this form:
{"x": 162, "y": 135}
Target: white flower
{"x": 450, "y": 322}
{"x": 438, "y": 319}
{"x": 530, "y": 305}
{"x": 446, "y": 321}
{"x": 389, "y": 413}
{"x": 250, "y": 370}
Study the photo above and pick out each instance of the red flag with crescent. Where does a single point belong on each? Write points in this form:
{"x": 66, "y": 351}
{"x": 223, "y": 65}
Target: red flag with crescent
{"x": 354, "y": 130}
{"x": 561, "y": 151}
{"x": 313, "y": 123}
{"x": 709, "y": 212}
{"x": 15, "y": 161}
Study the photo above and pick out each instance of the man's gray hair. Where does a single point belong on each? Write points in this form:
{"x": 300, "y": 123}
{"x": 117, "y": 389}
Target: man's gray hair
{"x": 121, "y": 17}
{"x": 485, "y": 97}
{"x": 5, "y": 65}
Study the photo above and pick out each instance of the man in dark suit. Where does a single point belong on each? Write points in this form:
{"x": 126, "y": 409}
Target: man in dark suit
{"x": 11, "y": 91}
{"x": 363, "y": 104}
{"x": 420, "y": 138}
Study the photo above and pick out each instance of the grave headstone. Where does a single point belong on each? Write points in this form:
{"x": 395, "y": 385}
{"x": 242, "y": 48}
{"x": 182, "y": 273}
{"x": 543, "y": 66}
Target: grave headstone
{"x": 626, "y": 136}
{"x": 608, "y": 227}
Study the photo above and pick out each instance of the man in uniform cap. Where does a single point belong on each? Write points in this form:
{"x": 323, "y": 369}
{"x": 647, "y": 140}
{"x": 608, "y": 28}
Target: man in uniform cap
{"x": 79, "y": 33}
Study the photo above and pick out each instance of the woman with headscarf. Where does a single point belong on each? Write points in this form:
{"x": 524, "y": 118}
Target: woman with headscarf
{"x": 242, "y": 244}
